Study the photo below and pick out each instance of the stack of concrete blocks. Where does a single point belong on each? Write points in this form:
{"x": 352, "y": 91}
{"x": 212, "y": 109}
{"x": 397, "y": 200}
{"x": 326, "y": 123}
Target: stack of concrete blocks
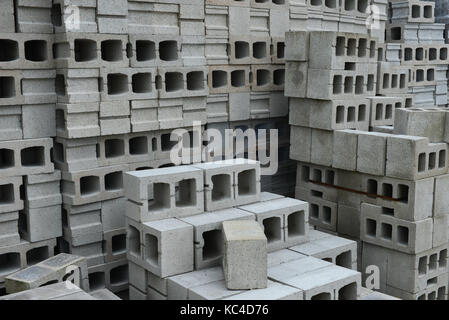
{"x": 30, "y": 199}
{"x": 367, "y": 175}
{"x": 416, "y": 42}
{"x": 245, "y": 55}
{"x": 175, "y": 238}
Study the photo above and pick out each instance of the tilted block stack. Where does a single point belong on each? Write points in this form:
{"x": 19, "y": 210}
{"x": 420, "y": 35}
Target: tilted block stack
{"x": 373, "y": 154}
{"x": 194, "y": 231}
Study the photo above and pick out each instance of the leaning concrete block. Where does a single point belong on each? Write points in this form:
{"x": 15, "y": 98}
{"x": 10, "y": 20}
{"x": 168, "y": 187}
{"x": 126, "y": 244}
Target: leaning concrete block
{"x": 371, "y": 153}
{"x": 58, "y": 268}
{"x": 245, "y": 255}
{"x": 428, "y": 123}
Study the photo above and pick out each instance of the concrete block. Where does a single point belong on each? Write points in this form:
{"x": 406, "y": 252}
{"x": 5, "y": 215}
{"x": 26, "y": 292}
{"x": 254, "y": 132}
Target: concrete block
{"x": 208, "y": 234}
{"x": 371, "y": 153}
{"x": 245, "y": 255}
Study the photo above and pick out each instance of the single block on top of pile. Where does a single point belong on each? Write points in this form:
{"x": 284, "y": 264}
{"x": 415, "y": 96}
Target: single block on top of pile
{"x": 245, "y": 255}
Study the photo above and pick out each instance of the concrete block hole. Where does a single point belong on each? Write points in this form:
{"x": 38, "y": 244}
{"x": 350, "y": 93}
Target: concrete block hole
{"x": 213, "y": 244}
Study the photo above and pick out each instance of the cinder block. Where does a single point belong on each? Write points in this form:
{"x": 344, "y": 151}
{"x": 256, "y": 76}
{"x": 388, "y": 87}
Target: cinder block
{"x": 167, "y": 247}
{"x": 428, "y": 123}
{"x": 285, "y": 221}
{"x": 245, "y": 255}
{"x": 112, "y": 276}
{"x": 208, "y": 234}
{"x": 371, "y": 153}
{"x": 163, "y": 193}
{"x": 39, "y": 224}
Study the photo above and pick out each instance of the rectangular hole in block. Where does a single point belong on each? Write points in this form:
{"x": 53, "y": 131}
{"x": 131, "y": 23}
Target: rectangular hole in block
{"x": 151, "y": 249}
{"x": 221, "y": 187}
{"x": 327, "y": 215}
{"x": 37, "y": 255}
{"x": 432, "y": 54}
{"x": 337, "y": 84}
{"x": 394, "y": 81}
{"x": 145, "y": 50}
{"x": 329, "y": 177}
{"x": 263, "y": 77}
{"x": 350, "y": 66}
{"x": 403, "y": 235}
{"x": 348, "y": 292}
{"x": 316, "y": 194}
{"x": 340, "y": 114}
{"x": 421, "y": 162}
{"x": 380, "y": 54}
{"x": 370, "y": 83}
{"x": 389, "y": 112}
{"x": 238, "y": 78}
{"x": 349, "y": 85}
{"x": 372, "y": 49}
{"x": 359, "y": 85}
{"x": 432, "y": 160}
{"x": 166, "y": 143}
{"x": 408, "y": 54}
{"x": 85, "y": 50}
{"x": 315, "y": 2}
{"x": 433, "y": 262}
{"x": 241, "y": 49}
{"x": 97, "y": 281}
{"x": 213, "y": 244}
{"x": 363, "y": 45}
{"x": 195, "y": 80}
{"x": 279, "y": 77}
{"x": 352, "y": 47}
{"x": 362, "y": 5}
{"x": 161, "y": 197}
{"x": 60, "y": 85}
{"x": 305, "y": 173}
{"x": 351, "y": 114}
{"x": 280, "y": 50}
{"x": 443, "y": 259}
{"x": 379, "y": 111}
{"x": 443, "y": 54}
{"x": 118, "y": 244}
{"x": 7, "y": 194}
{"x": 259, "y": 50}
{"x": 340, "y": 46}
{"x": 403, "y": 191}
{"x": 9, "y": 263}
{"x": 416, "y": 11}
{"x": 432, "y": 295}
{"x": 185, "y": 193}
{"x": 32, "y": 156}
{"x": 141, "y": 83}
{"x": 168, "y": 50}
{"x": 113, "y": 181}
{"x": 133, "y": 239}
{"x": 331, "y": 4}
{"x": 112, "y": 50}
{"x": 296, "y": 224}
{"x": 247, "y": 182}
{"x": 314, "y": 211}
{"x": 396, "y": 33}
{"x": 441, "y": 295}
{"x": 371, "y": 227}
{"x": 386, "y": 231}
{"x": 388, "y": 211}
{"x": 219, "y": 79}
{"x": 138, "y": 146}
{"x": 89, "y": 185}
{"x": 422, "y": 265}
{"x": 322, "y": 296}
{"x": 430, "y": 74}
{"x": 386, "y": 81}
{"x": 114, "y": 148}
{"x": 117, "y": 83}
{"x": 6, "y": 158}
{"x": 173, "y": 81}
{"x": 387, "y": 190}
{"x": 419, "y": 75}
{"x": 36, "y": 50}
{"x": 119, "y": 275}
{"x": 362, "y": 113}
{"x": 428, "y": 12}
{"x": 272, "y": 229}
{"x": 7, "y": 87}
{"x": 402, "y": 81}
{"x": 419, "y": 54}
{"x": 344, "y": 260}
{"x": 442, "y": 159}
{"x": 9, "y": 50}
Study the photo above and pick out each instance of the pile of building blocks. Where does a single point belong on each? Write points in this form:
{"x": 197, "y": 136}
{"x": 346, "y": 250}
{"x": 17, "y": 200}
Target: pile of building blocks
{"x": 205, "y": 231}
{"x": 356, "y": 89}
{"x": 368, "y": 129}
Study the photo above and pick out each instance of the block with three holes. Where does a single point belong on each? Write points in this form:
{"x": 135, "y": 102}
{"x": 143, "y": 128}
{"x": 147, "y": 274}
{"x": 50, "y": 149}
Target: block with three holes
{"x": 284, "y": 221}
